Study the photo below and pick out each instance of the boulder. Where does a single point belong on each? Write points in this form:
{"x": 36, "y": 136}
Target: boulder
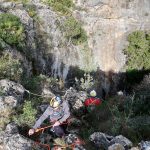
{"x": 116, "y": 147}
{"x": 10, "y": 139}
{"x": 103, "y": 140}
{"x": 11, "y": 97}
{"x": 74, "y": 139}
{"x": 123, "y": 141}
{"x": 10, "y": 88}
{"x": 135, "y": 148}
{"x": 144, "y": 145}
{"x": 76, "y": 99}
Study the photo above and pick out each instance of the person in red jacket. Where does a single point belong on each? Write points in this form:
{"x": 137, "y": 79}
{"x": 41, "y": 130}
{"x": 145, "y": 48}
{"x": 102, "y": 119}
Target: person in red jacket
{"x": 92, "y": 101}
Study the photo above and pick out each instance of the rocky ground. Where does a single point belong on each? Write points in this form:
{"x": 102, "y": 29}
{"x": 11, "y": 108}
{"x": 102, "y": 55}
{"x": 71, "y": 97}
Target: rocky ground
{"x": 12, "y": 138}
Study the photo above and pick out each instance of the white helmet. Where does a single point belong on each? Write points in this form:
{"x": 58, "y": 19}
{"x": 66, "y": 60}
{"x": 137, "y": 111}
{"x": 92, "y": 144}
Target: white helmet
{"x": 93, "y": 93}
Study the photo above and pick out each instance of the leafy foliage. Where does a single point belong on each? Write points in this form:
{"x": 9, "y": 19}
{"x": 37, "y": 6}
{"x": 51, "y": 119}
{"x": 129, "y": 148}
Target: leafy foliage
{"x": 31, "y": 9}
{"x": 28, "y": 115}
{"x": 11, "y": 30}
{"x": 74, "y": 31}
{"x": 62, "y": 6}
{"x": 10, "y": 68}
{"x": 36, "y": 83}
{"x": 86, "y": 82}
{"x": 138, "y": 51}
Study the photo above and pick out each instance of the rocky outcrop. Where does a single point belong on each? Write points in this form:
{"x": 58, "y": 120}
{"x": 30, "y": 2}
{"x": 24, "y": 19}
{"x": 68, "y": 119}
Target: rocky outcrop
{"x": 10, "y": 139}
{"x": 76, "y": 99}
{"x": 10, "y": 88}
{"x": 105, "y": 141}
{"x": 116, "y": 147}
{"x": 11, "y": 97}
{"x": 144, "y": 145}
{"x": 106, "y": 22}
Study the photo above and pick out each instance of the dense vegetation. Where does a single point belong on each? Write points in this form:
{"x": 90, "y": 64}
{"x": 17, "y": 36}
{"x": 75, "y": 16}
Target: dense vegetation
{"x": 138, "y": 55}
{"x": 10, "y": 68}
{"x": 74, "y": 31}
{"x": 62, "y": 6}
{"x": 138, "y": 51}
{"x": 27, "y": 117}
{"x": 11, "y": 30}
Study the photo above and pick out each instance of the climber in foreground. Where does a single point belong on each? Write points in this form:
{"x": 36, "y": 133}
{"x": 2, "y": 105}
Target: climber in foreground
{"x": 58, "y": 112}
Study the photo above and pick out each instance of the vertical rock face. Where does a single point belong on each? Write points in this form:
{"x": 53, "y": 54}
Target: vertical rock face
{"x": 108, "y": 22}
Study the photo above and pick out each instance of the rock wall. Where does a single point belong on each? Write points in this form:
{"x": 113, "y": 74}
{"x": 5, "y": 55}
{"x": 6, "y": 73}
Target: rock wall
{"x": 107, "y": 23}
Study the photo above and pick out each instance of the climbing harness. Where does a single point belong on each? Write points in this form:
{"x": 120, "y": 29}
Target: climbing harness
{"x": 72, "y": 146}
{"x": 30, "y": 93}
{"x": 42, "y": 129}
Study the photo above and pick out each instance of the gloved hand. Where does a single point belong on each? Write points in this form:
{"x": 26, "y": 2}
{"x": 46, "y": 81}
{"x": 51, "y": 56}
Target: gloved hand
{"x": 31, "y": 131}
{"x": 57, "y": 123}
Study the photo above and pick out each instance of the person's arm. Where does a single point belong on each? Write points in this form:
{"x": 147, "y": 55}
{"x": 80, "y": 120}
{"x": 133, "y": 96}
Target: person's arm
{"x": 42, "y": 118}
{"x": 66, "y": 113}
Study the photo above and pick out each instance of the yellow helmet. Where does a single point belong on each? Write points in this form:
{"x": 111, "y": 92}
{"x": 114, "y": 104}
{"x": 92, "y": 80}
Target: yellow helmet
{"x": 55, "y": 101}
{"x": 93, "y": 93}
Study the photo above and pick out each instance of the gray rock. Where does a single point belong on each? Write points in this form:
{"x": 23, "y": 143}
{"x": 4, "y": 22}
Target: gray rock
{"x": 135, "y": 148}
{"x": 10, "y": 88}
{"x": 123, "y": 141}
{"x": 74, "y": 139}
{"x": 12, "y": 140}
{"x": 7, "y": 102}
{"x": 116, "y": 147}
{"x": 12, "y": 96}
{"x": 76, "y": 99}
{"x": 6, "y": 5}
{"x": 11, "y": 128}
{"x": 106, "y": 22}
{"x": 101, "y": 140}
{"x": 104, "y": 141}
{"x": 144, "y": 145}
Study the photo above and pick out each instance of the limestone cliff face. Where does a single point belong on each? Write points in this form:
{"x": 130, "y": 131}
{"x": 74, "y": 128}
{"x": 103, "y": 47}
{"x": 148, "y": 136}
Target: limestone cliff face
{"x": 107, "y": 23}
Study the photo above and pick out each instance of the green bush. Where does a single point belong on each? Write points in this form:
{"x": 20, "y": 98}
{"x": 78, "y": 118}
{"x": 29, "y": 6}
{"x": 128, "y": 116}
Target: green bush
{"x": 74, "y": 31}
{"x": 138, "y": 51}
{"x": 31, "y": 9}
{"x": 11, "y": 30}
{"x": 10, "y": 68}
{"x": 35, "y": 83}
{"x": 86, "y": 82}
{"x": 62, "y": 6}
{"x": 28, "y": 115}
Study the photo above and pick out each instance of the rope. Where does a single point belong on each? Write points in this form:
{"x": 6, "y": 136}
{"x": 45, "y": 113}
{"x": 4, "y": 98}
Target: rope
{"x": 72, "y": 146}
{"x": 42, "y": 129}
{"x": 34, "y": 94}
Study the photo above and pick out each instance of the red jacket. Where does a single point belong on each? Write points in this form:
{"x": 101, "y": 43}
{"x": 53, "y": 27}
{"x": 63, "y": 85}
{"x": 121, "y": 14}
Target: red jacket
{"x": 92, "y": 101}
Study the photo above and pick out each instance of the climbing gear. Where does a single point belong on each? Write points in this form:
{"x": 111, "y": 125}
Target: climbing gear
{"x": 55, "y": 101}
{"x": 93, "y": 93}
{"x": 56, "y": 146}
{"x": 64, "y": 146}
